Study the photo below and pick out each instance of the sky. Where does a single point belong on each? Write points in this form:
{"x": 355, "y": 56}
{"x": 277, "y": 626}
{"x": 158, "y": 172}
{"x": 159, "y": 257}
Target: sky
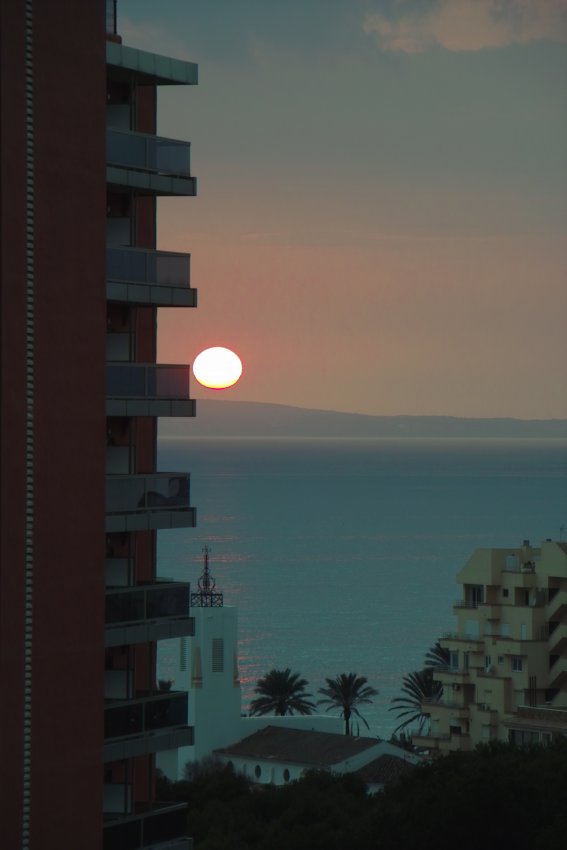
{"x": 382, "y": 199}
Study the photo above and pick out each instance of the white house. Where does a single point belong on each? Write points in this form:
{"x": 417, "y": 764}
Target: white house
{"x": 278, "y": 755}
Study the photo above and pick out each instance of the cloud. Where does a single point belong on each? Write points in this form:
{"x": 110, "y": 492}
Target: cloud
{"x": 468, "y": 25}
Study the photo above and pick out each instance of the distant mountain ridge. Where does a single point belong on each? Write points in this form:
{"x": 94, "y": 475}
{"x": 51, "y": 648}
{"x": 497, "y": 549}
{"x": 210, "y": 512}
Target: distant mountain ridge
{"x": 220, "y": 418}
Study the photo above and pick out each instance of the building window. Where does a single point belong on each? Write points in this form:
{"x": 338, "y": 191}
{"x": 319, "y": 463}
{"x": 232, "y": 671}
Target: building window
{"x": 454, "y": 659}
{"x": 505, "y": 592}
{"x": 487, "y": 663}
{"x": 504, "y": 630}
{"x": 218, "y": 655}
{"x": 477, "y": 594}
{"x": 517, "y": 666}
{"x": 257, "y": 771}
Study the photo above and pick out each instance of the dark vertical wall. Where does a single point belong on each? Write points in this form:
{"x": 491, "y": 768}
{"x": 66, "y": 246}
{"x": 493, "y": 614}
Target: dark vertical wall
{"x": 68, "y": 426}
{"x": 12, "y": 416}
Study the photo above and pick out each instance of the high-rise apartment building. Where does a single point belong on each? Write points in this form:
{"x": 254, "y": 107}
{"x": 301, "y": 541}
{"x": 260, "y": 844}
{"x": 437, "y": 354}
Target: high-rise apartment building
{"x": 507, "y": 673}
{"x": 81, "y": 606}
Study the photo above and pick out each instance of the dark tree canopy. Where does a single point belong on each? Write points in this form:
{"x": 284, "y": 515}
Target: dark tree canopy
{"x": 497, "y": 796}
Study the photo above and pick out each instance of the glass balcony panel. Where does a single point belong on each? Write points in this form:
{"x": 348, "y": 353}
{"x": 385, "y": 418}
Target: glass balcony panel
{"x": 171, "y": 157}
{"x": 144, "y": 152}
{"x": 147, "y": 602}
{"x": 139, "y": 492}
{"x": 137, "y": 380}
{"x": 171, "y": 381}
{"x": 161, "y": 823}
{"x": 145, "y": 715}
{"x": 125, "y": 381}
{"x": 161, "y": 713}
{"x": 126, "y": 265}
{"x": 136, "y": 265}
{"x": 124, "y": 607}
{"x": 172, "y": 491}
{"x": 124, "y": 720}
{"x": 125, "y": 494}
{"x": 171, "y": 269}
{"x": 127, "y": 149}
{"x": 167, "y": 602}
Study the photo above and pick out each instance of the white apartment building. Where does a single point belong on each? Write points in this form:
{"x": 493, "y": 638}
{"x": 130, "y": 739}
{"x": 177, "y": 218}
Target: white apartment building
{"x": 507, "y": 672}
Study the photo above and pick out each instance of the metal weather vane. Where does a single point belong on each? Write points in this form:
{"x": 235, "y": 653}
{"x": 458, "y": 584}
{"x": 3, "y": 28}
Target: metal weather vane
{"x": 206, "y": 597}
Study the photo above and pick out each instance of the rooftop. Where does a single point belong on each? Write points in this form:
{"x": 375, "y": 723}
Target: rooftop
{"x": 316, "y": 749}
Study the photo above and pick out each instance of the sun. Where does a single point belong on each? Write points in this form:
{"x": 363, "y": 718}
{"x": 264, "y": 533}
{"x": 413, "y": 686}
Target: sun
{"x": 217, "y": 368}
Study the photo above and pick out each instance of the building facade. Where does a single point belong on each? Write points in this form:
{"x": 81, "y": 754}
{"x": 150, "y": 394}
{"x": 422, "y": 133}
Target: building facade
{"x": 81, "y": 604}
{"x": 507, "y": 672}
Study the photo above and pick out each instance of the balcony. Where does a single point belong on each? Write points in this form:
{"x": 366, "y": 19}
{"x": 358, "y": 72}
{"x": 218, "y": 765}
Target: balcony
{"x": 148, "y": 69}
{"x": 148, "y": 389}
{"x": 443, "y": 743}
{"x": 149, "y": 164}
{"x": 160, "y": 825}
{"x": 147, "y": 613}
{"x": 467, "y": 642}
{"x": 450, "y": 675}
{"x": 143, "y": 276}
{"x": 145, "y": 502}
{"x": 466, "y": 603}
{"x": 453, "y": 709}
{"x": 144, "y": 725}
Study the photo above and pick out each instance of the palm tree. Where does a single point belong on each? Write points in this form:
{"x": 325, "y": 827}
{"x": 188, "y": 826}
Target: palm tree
{"x": 346, "y": 691}
{"x": 281, "y": 692}
{"x": 417, "y": 688}
{"x": 437, "y": 656}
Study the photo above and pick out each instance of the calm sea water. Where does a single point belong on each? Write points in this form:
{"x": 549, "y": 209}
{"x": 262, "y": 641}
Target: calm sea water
{"x": 341, "y": 555}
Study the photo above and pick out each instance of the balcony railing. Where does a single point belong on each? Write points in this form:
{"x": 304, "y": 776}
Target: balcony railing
{"x": 145, "y": 152}
{"x": 149, "y": 602}
{"x": 136, "y": 493}
{"x": 146, "y": 380}
{"x": 154, "y": 826}
{"x": 155, "y": 268}
{"x": 127, "y": 718}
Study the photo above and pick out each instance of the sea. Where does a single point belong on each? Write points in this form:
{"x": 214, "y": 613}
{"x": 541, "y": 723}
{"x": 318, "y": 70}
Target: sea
{"x": 341, "y": 555}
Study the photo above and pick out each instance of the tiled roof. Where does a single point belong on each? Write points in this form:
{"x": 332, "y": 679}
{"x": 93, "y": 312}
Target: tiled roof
{"x": 384, "y": 769}
{"x": 317, "y": 749}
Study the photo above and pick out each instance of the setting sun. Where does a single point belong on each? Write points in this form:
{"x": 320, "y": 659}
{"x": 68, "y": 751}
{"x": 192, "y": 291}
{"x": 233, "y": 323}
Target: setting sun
{"x": 217, "y": 368}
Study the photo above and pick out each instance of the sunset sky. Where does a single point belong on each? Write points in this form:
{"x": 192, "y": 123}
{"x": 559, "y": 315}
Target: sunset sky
{"x": 382, "y": 199}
